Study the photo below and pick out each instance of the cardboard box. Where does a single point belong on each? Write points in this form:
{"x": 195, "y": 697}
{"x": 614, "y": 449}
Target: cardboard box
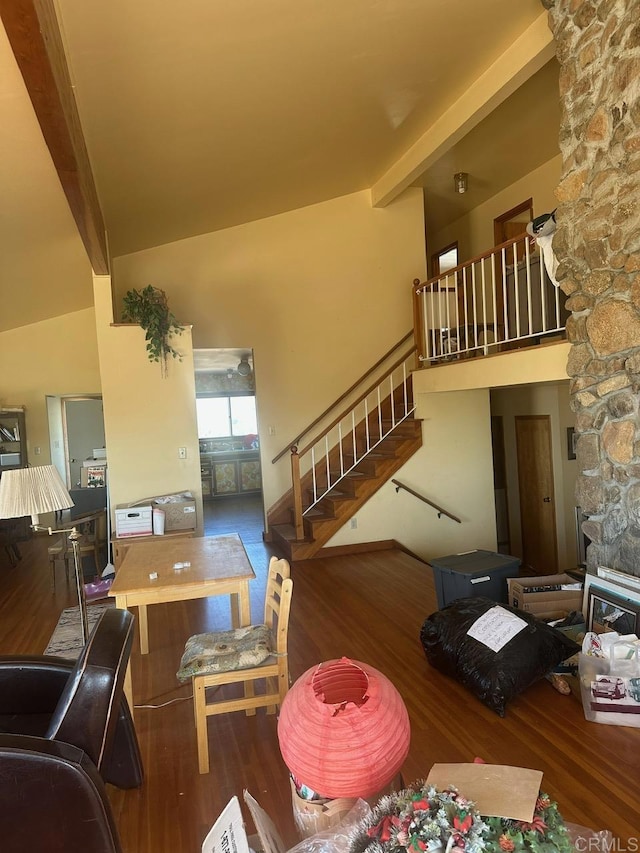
{"x": 178, "y": 516}
{"x": 134, "y": 521}
{"x": 179, "y": 510}
{"x": 549, "y": 600}
{"x": 313, "y": 816}
{"x": 228, "y": 834}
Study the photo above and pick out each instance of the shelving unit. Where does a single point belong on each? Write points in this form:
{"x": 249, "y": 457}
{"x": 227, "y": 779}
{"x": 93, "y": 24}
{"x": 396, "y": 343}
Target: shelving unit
{"x": 13, "y": 454}
{"x": 13, "y": 439}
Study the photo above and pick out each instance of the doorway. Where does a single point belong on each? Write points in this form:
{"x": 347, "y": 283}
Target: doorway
{"x": 229, "y": 439}
{"x": 536, "y": 490}
{"x": 76, "y": 429}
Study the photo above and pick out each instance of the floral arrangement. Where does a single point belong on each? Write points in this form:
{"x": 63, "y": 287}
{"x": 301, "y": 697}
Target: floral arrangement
{"x": 421, "y": 819}
{"x": 545, "y": 834}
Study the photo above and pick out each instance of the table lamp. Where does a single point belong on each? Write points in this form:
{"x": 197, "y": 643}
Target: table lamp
{"x": 31, "y": 491}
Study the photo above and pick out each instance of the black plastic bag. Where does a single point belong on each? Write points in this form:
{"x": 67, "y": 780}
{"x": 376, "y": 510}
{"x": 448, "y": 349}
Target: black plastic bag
{"x": 494, "y": 677}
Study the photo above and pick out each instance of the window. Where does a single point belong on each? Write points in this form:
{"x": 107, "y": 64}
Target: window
{"x": 220, "y": 417}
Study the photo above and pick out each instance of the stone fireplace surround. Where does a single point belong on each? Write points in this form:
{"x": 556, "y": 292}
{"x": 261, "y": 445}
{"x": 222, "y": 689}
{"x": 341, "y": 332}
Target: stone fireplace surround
{"x": 597, "y": 244}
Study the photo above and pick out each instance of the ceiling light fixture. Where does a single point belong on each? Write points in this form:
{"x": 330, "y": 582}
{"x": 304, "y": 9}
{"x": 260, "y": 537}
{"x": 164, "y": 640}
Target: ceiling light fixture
{"x": 460, "y": 180}
{"x": 244, "y": 368}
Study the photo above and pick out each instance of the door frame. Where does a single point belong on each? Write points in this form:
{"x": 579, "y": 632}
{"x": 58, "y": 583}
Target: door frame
{"x": 554, "y": 531}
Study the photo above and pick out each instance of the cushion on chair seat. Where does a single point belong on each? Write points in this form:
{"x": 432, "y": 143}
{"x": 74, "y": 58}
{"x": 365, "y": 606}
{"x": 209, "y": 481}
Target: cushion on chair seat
{"x": 223, "y": 651}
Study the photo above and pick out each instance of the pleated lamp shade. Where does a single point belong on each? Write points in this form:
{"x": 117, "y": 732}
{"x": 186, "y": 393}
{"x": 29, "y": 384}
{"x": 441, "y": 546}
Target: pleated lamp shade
{"x": 344, "y": 729}
{"x": 31, "y": 491}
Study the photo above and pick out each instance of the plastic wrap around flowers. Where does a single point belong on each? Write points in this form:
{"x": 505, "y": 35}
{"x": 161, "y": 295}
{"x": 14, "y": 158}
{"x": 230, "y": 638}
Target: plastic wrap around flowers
{"x": 423, "y": 819}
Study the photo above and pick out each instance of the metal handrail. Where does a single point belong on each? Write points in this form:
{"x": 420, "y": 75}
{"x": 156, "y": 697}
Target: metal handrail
{"x": 438, "y": 509}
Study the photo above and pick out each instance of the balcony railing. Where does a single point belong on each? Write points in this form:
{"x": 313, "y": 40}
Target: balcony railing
{"x": 500, "y": 300}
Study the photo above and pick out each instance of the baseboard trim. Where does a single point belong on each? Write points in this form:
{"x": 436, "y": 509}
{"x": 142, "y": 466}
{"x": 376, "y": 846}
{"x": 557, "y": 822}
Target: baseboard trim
{"x": 400, "y": 547}
{"x": 356, "y": 548}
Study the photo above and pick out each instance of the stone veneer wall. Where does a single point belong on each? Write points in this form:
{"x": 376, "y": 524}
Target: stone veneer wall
{"x": 598, "y": 246}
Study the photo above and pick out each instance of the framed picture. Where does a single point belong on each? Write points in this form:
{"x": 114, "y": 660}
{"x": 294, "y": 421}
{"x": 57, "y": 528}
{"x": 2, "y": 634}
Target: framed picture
{"x": 609, "y": 612}
{"x": 571, "y": 443}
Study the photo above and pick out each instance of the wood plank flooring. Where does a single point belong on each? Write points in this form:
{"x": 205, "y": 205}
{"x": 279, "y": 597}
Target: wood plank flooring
{"x": 368, "y": 607}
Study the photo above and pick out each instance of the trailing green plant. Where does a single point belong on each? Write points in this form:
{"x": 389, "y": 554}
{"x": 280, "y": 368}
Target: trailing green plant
{"x": 149, "y": 308}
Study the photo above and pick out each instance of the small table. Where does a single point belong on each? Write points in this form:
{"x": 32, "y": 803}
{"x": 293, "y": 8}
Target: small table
{"x": 218, "y": 566}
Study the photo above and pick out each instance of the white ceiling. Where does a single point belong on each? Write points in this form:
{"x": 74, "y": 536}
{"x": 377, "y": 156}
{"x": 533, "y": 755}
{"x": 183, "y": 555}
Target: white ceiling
{"x": 209, "y": 113}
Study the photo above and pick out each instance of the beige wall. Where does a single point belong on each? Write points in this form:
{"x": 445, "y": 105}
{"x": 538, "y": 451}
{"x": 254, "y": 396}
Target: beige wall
{"x": 454, "y": 469}
{"x": 474, "y": 232}
{"x": 551, "y": 400}
{"x": 55, "y": 357}
{"x": 319, "y": 293}
{"x": 147, "y": 417}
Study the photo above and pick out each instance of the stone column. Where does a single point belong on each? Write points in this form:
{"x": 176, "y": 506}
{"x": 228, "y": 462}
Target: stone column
{"x": 598, "y": 246}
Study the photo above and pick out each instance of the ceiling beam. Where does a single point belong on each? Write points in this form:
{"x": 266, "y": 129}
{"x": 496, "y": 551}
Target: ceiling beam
{"x": 528, "y": 53}
{"x": 36, "y": 41}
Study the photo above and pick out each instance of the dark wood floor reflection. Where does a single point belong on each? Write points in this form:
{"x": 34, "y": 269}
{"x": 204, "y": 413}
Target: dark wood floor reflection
{"x": 368, "y": 607}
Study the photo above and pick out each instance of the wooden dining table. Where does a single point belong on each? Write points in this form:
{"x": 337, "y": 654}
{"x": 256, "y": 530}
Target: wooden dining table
{"x": 157, "y": 571}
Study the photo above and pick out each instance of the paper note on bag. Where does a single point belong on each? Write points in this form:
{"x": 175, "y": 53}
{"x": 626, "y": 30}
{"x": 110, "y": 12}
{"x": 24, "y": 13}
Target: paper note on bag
{"x": 227, "y": 835}
{"x": 496, "y": 627}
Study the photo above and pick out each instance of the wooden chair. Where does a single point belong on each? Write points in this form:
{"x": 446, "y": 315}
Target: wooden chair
{"x": 274, "y": 670}
{"x": 93, "y": 537}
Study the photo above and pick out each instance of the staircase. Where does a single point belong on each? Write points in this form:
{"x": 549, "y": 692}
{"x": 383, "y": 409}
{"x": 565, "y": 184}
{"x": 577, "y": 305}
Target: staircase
{"x": 392, "y": 444}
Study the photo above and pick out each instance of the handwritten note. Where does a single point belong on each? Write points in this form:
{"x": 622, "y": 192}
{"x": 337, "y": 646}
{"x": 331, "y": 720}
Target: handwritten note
{"x": 496, "y": 627}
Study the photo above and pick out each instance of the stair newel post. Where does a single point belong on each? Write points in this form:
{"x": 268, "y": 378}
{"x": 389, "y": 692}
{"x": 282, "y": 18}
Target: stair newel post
{"x": 297, "y": 492}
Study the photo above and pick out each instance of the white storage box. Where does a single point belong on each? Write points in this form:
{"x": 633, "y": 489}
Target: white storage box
{"x": 134, "y": 521}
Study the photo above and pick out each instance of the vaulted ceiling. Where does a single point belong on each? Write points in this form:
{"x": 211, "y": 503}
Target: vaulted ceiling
{"x": 202, "y": 115}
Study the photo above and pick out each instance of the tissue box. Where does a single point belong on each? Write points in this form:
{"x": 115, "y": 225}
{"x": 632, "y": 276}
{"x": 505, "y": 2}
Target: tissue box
{"x": 179, "y": 510}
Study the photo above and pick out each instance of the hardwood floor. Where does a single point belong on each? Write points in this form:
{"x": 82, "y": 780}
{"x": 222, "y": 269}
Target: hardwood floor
{"x": 368, "y": 607}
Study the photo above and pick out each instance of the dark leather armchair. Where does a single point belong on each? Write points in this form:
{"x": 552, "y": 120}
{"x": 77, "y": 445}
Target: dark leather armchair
{"x": 65, "y": 730}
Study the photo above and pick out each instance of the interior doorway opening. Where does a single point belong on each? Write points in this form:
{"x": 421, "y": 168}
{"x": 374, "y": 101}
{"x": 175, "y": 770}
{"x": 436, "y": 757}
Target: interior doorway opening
{"x": 229, "y": 440}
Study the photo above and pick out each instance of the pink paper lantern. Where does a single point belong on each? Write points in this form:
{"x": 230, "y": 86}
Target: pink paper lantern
{"x": 344, "y": 729}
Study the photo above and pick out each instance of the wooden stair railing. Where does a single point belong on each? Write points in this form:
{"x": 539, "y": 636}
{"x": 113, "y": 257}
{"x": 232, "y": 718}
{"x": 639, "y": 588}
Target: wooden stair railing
{"x": 359, "y": 428}
{"x": 344, "y": 396}
{"x": 499, "y": 300}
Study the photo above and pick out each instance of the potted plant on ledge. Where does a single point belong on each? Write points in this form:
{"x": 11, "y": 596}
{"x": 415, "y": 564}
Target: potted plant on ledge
{"x": 149, "y": 308}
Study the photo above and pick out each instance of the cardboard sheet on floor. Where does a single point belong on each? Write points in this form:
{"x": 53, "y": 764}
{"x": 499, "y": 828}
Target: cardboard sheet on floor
{"x": 496, "y": 789}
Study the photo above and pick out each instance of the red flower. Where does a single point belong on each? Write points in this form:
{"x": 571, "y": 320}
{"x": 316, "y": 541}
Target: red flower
{"x": 421, "y": 805}
{"x": 463, "y": 825}
{"x": 536, "y": 825}
{"x": 382, "y": 829}
{"x": 506, "y": 844}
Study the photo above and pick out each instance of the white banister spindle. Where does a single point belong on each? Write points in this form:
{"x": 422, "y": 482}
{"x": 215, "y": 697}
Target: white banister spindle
{"x": 314, "y": 482}
{"x": 392, "y": 401}
{"x": 527, "y": 258}
{"x": 367, "y": 441}
{"x": 326, "y": 460}
{"x": 494, "y": 295}
{"x": 405, "y": 388}
{"x": 505, "y": 303}
{"x": 484, "y": 305}
{"x": 516, "y": 293}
